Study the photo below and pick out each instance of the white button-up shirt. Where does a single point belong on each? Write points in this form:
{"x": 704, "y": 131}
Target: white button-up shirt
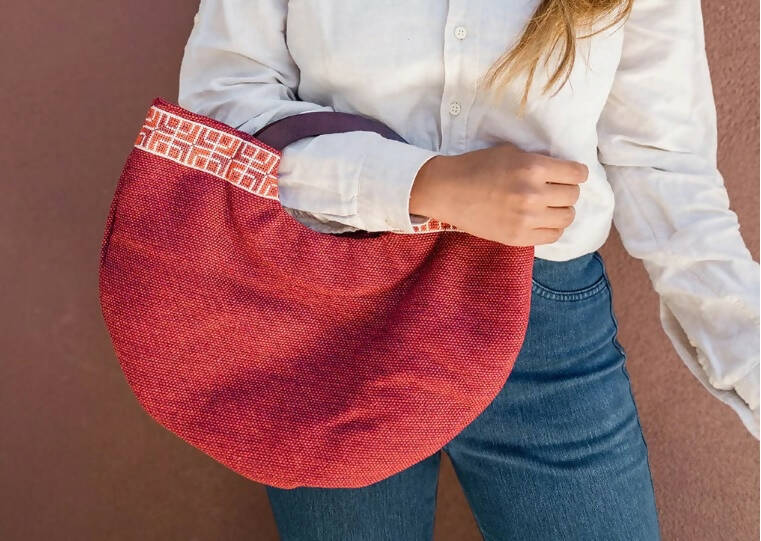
{"x": 638, "y": 110}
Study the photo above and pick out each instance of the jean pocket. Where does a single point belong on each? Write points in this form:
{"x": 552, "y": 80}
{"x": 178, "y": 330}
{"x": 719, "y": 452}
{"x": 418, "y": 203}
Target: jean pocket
{"x": 566, "y": 281}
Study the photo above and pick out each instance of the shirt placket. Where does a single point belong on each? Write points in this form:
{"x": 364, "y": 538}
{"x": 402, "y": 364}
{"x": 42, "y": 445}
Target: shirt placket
{"x": 460, "y": 61}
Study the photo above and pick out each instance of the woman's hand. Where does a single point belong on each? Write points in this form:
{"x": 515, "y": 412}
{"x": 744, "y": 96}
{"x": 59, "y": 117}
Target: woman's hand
{"x": 500, "y": 193}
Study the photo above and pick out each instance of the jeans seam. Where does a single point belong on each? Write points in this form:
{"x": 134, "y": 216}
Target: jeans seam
{"x": 620, "y": 348}
{"x": 575, "y": 296}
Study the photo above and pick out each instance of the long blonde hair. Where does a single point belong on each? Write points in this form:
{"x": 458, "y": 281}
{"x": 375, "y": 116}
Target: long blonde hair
{"x": 553, "y": 21}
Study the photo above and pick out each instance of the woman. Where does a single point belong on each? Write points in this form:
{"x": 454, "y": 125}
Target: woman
{"x": 595, "y": 103}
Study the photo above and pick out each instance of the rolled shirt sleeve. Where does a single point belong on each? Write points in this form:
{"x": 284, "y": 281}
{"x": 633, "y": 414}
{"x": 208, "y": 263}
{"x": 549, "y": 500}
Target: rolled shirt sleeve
{"x": 657, "y": 139}
{"x": 237, "y": 69}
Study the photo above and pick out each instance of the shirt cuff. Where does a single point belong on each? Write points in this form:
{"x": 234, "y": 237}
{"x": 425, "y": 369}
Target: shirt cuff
{"x": 351, "y": 180}
{"x": 385, "y": 183}
{"x": 739, "y": 398}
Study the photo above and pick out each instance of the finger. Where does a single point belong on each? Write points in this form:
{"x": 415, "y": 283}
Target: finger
{"x": 557, "y": 216}
{"x": 562, "y": 195}
{"x": 546, "y": 235}
{"x": 565, "y": 171}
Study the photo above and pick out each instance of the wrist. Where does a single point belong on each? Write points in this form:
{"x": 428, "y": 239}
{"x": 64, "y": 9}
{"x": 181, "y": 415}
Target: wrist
{"x": 430, "y": 190}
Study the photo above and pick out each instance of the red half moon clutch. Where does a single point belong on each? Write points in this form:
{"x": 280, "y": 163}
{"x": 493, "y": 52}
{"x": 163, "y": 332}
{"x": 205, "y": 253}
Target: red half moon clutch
{"x": 294, "y": 357}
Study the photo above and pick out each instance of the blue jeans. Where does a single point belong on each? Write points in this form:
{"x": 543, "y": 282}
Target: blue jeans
{"x": 558, "y": 455}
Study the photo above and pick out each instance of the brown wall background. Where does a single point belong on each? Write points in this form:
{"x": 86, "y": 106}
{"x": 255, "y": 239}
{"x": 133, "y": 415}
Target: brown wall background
{"x": 78, "y": 457}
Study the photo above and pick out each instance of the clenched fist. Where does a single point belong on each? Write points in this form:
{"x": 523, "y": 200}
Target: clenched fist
{"x": 500, "y": 193}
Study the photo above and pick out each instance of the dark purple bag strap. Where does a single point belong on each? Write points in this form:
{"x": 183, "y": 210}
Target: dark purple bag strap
{"x": 285, "y": 131}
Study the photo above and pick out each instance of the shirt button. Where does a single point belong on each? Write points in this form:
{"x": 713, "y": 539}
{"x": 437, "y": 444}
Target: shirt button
{"x": 454, "y": 108}
{"x": 460, "y": 32}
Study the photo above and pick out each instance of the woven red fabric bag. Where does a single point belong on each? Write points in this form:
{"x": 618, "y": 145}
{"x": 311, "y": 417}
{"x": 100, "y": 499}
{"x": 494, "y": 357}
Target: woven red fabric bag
{"x": 294, "y": 357}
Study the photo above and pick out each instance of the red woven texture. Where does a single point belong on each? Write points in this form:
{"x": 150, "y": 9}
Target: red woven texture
{"x": 293, "y": 357}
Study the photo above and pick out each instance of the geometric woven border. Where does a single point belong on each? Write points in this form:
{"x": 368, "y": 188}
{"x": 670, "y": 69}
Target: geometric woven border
{"x": 212, "y": 151}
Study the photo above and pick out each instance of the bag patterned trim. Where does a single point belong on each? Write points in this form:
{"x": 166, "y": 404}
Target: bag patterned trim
{"x": 212, "y": 151}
